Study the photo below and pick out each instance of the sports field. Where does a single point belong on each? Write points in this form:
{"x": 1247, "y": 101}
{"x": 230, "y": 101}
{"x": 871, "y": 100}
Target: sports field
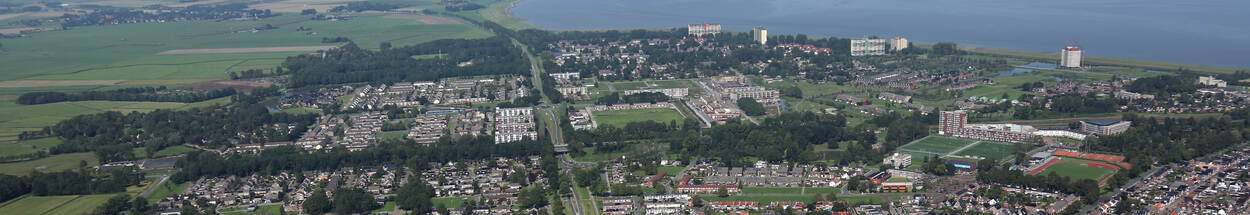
{"x": 619, "y": 118}
{"x": 937, "y": 144}
{"x": 1078, "y": 169}
{"x": 990, "y": 150}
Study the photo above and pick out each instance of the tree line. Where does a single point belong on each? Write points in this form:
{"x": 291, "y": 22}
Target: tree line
{"x": 146, "y": 94}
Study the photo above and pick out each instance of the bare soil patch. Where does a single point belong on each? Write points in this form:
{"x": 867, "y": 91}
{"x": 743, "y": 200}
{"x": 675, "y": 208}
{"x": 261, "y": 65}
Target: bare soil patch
{"x": 247, "y": 50}
{"x": 241, "y": 86}
{"x": 427, "y": 19}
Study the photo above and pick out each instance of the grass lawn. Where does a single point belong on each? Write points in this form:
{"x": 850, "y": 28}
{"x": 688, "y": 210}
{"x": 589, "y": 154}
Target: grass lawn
{"x": 862, "y": 200}
{"x": 671, "y": 170}
{"x": 27, "y": 146}
{"x": 166, "y": 152}
{"x": 1076, "y": 169}
{"x": 991, "y": 150}
{"x": 53, "y": 163}
{"x": 764, "y": 200}
{"x": 392, "y": 135}
{"x": 450, "y": 202}
{"x": 389, "y": 206}
{"x": 937, "y": 144}
{"x": 593, "y": 156}
{"x": 266, "y": 209}
{"x": 164, "y": 190}
{"x": 790, "y": 190}
{"x": 619, "y": 118}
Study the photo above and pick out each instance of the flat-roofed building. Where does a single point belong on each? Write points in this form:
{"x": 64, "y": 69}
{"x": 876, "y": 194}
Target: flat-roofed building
{"x": 862, "y": 47}
{"x": 1102, "y": 128}
{"x": 703, "y": 29}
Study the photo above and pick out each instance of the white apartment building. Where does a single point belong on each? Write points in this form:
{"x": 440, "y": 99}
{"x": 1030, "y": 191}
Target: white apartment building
{"x": 863, "y": 47}
{"x": 1071, "y": 57}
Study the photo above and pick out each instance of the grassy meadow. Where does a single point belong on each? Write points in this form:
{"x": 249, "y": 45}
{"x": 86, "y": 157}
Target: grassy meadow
{"x": 619, "y": 118}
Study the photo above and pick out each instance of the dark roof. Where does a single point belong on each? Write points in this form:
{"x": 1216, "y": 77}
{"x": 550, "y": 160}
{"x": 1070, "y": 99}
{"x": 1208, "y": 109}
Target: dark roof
{"x": 1103, "y": 122}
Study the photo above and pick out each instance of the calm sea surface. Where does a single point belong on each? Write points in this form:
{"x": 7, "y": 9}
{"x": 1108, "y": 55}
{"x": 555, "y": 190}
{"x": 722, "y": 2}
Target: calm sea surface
{"x": 1210, "y": 32}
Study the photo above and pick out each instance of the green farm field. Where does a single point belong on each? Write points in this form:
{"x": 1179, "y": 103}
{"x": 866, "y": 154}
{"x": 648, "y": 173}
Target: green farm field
{"x": 23, "y": 147}
{"x": 71, "y": 204}
{"x": 937, "y": 144}
{"x": 132, "y": 49}
{"x": 53, "y": 163}
{"x": 619, "y": 118}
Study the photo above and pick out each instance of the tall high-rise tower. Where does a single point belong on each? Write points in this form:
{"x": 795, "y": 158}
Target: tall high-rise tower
{"x": 1071, "y": 57}
{"x": 761, "y": 35}
{"x": 952, "y": 122}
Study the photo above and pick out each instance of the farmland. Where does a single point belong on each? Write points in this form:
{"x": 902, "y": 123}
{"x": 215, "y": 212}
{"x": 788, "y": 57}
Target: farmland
{"x": 53, "y": 163}
{"x": 619, "y": 118}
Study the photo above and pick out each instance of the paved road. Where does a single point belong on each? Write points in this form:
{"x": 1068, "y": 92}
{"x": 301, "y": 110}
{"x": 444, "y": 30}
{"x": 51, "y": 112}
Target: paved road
{"x": 149, "y": 191}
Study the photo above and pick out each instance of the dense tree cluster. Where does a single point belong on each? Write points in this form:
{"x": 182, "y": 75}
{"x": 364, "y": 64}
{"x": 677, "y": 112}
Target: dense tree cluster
{"x": 1164, "y": 86}
{"x": 146, "y": 94}
{"x": 616, "y": 98}
{"x": 751, "y": 107}
{"x": 112, "y": 135}
{"x": 415, "y": 196}
{"x": 788, "y": 137}
{"x": 674, "y": 50}
{"x": 351, "y": 64}
{"x": 366, "y": 5}
{"x": 353, "y": 201}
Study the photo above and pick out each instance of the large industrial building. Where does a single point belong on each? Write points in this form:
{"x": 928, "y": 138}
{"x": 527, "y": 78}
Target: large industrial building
{"x": 760, "y": 35}
{"x": 703, "y": 29}
{"x": 862, "y": 47}
{"x": 1103, "y": 128}
{"x": 1071, "y": 57}
{"x": 955, "y": 123}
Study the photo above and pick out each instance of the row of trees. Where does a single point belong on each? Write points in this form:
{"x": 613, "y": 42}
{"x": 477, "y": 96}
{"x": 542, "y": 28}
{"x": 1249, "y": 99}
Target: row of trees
{"x": 147, "y": 94}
